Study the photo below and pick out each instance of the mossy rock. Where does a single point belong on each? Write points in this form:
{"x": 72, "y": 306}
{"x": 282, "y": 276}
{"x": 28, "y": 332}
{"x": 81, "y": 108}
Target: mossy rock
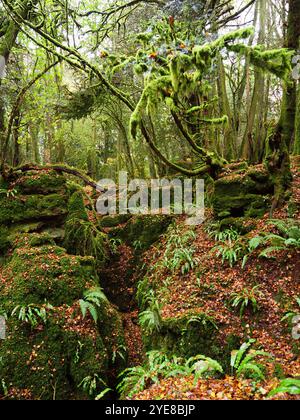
{"x": 142, "y": 231}
{"x": 26, "y": 228}
{"x": 32, "y": 208}
{"x": 238, "y": 195}
{"x": 37, "y": 273}
{"x": 242, "y": 225}
{"x": 186, "y": 339}
{"x": 76, "y": 207}
{"x": 5, "y": 241}
{"x": 83, "y": 237}
{"x": 113, "y": 221}
{"x": 52, "y": 360}
{"x": 180, "y": 337}
{"x": 48, "y": 182}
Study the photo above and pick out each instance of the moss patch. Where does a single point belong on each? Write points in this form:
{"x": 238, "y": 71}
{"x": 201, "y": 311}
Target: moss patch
{"x": 238, "y": 195}
{"x": 142, "y": 231}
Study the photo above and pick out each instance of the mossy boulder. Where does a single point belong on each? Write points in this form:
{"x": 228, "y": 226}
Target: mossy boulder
{"x": 82, "y": 236}
{"x": 5, "y": 241}
{"x": 114, "y": 220}
{"x": 142, "y": 231}
{"x": 189, "y": 335}
{"x": 31, "y": 207}
{"x": 243, "y": 194}
{"x": 50, "y": 360}
{"x": 39, "y": 271}
{"x": 37, "y": 182}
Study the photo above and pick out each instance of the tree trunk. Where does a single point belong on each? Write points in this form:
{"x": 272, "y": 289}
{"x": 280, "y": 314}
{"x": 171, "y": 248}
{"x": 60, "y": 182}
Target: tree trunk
{"x": 7, "y": 42}
{"x": 278, "y": 159}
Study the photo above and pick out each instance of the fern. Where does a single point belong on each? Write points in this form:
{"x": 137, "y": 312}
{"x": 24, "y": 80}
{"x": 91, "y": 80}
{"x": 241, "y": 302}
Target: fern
{"x": 288, "y": 385}
{"x": 202, "y": 319}
{"x": 230, "y": 251}
{"x": 150, "y": 319}
{"x": 9, "y": 193}
{"x": 244, "y": 299}
{"x": 102, "y": 394}
{"x": 91, "y": 383}
{"x": 158, "y": 366}
{"x": 243, "y": 362}
{"x": 94, "y": 298}
{"x": 32, "y": 314}
{"x": 119, "y": 352}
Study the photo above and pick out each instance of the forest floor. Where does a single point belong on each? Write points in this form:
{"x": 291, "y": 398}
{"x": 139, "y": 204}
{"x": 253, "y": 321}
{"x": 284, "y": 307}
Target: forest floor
{"x": 207, "y": 289}
{"x": 279, "y": 284}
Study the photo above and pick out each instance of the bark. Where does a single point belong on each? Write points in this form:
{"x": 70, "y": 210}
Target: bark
{"x": 7, "y": 42}
{"x": 229, "y": 146}
{"x": 278, "y": 159}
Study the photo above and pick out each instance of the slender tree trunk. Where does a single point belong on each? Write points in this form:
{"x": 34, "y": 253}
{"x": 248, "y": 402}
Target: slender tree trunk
{"x": 249, "y": 140}
{"x": 7, "y": 42}
{"x": 225, "y": 109}
{"x": 16, "y": 146}
{"x": 278, "y": 159}
{"x": 297, "y": 125}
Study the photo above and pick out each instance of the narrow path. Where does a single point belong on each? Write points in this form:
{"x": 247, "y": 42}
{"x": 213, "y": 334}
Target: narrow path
{"x": 119, "y": 282}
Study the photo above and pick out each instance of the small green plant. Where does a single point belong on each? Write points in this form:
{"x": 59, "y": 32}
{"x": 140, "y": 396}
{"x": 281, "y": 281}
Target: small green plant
{"x": 203, "y": 320}
{"x": 288, "y": 385}
{"x": 114, "y": 244}
{"x": 120, "y": 352}
{"x": 32, "y": 314}
{"x": 230, "y": 251}
{"x": 145, "y": 294}
{"x": 150, "y": 319}
{"x": 178, "y": 254}
{"x": 102, "y": 394}
{"x": 288, "y": 316}
{"x": 177, "y": 238}
{"x": 91, "y": 383}
{"x": 9, "y": 193}
{"x": 94, "y": 298}
{"x": 224, "y": 235}
{"x": 243, "y": 362}
{"x": 288, "y": 237}
{"x": 137, "y": 245}
{"x": 159, "y": 365}
{"x": 3, "y": 388}
{"x": 245, "y": 299}
{"x": 181, "y": 258}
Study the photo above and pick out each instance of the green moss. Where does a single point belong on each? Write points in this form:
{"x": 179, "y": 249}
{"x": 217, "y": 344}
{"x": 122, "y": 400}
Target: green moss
{"x": 238, "y": 224}
{"x": 249, "y": 205}
{"x": 36, "y": 274}
{"x": 153, "y": 92}
{"x": 83, "y": 237}
{"x": 5, "y": 241}
{"x": 113, "y": 221}
{"x": 180, "y": 337}
{"x": 142, "y": 230}
{"x": 32, "y": 207}
{"x": 51, "y": 360}
{"x": 247, "y": 194}
{"x": 41, "y": 183}
{"x": 76, "y": 206}
{"x": 48, "y": 362}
